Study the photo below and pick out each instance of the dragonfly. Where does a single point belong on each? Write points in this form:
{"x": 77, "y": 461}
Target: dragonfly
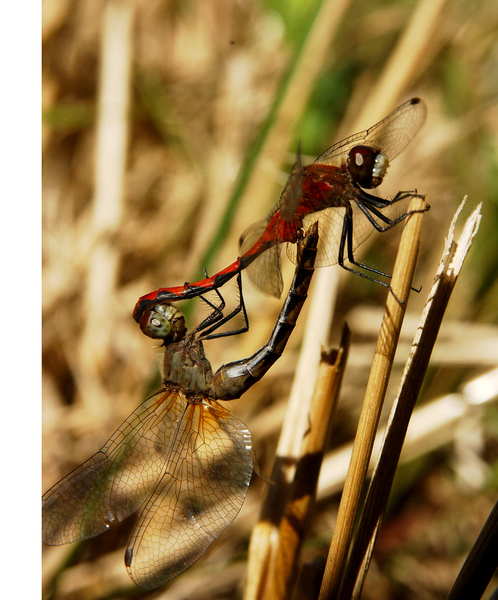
{"x": 331, "y": 191}
{"x": 181, "y": 458}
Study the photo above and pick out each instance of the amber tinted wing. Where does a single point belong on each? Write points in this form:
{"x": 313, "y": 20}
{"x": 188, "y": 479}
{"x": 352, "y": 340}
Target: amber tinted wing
{"x": 113, "y": 483}
{"x": 209, "y": 469}
{"x": 390, "y": 136}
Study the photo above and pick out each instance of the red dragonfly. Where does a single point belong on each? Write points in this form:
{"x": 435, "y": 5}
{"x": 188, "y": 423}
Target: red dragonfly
{"x": 181, "y": 458}
{"x": 330, "y": 190}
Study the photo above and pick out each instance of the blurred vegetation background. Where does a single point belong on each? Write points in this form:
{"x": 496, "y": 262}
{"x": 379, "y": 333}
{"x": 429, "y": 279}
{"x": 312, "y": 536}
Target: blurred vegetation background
{"x": 202, "y": 104}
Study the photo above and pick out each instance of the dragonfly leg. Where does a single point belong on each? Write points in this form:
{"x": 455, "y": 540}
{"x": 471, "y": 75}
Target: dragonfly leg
{"x": 346, "y": 243}
{"x": 217, "y": 311}
{"x": 346, "y": 249}
{"x": 241, "y": 307}
{"x": 371, "y": 205}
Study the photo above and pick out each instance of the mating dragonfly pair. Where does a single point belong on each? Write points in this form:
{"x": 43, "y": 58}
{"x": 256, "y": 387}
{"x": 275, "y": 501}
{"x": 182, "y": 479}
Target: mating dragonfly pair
{"x": 182, "y": 458}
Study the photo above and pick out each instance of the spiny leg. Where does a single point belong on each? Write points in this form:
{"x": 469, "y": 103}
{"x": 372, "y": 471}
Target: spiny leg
{"x": 371, "y": 204}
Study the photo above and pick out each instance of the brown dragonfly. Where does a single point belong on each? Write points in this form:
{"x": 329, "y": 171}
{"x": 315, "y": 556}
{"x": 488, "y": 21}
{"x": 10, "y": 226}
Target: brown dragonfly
{"x": 181, "y": 458}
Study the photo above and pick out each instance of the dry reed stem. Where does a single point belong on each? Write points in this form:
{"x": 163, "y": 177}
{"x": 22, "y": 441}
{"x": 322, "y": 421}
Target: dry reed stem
{"x": 107, "y": 209}
{"x": 374, "y": 398}
{"x": 282, "y": 569}
{"x": 376, "y": 502}
{"x": 297, "y": 93}
{"x": 432, "y": 427}
{"x": 404, "y": 62}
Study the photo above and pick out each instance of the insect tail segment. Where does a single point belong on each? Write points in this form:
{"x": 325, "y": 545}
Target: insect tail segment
{"x": 186, "y": 291}
{"x": 233, "y": 379}
{"x": 193, "y": 290}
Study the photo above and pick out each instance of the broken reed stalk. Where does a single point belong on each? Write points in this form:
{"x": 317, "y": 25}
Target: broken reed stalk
{"x": 377, "y": 497}
{"x": 374, "y": 398}
{"x": 282, "y": 565}
{"x": 266, "y": 552}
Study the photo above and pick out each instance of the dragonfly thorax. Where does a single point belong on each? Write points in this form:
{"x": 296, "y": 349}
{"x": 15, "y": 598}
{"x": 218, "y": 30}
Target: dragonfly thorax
{"x": 186, "y": 365}
{"x": 367, "y": 166}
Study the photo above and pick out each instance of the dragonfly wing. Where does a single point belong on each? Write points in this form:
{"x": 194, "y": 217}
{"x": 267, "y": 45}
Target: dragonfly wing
{"x": 251, "y": 236}
{"x": 390, "y": 136}
{"x": 202, "y": 492}
{"x": 393, "y": 134}
{"x": 266, "y": 272}
{"x": 115, "y": 481}
{"x": 330, "y": 228}
{"x": 330, "y": 223}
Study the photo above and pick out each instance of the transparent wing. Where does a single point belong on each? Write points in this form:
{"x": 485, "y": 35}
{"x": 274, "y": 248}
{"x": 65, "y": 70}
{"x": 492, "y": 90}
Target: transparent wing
{"x": 390, "y": 136}
{"x": 265, "y": 272}
{"x": 202, "y": 492}
{"x": 330, "y": 228}
{"x": 115, "y": 481}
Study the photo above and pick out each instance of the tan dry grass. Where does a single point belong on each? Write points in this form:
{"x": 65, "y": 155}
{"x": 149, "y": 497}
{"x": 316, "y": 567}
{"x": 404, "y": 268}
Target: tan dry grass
{"x": 197, "y": 103}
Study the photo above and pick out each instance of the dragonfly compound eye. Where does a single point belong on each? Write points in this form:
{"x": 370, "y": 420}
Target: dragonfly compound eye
{"x": 367, "y": 166}
{"x": 155, "y": 325}
{"x": 164, "y": 322}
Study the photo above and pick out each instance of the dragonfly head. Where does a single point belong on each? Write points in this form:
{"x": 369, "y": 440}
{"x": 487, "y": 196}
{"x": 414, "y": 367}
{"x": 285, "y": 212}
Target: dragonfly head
{"x": 367, "y": 166}
{"x": 164, "y": 322}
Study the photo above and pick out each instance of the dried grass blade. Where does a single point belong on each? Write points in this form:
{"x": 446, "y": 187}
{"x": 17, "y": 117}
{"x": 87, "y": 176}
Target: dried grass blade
{"x": 107, "y": 209}
{"x": 374, "y": 398}
{"x": 403, "y": 65}
{"x": 376, "y": 501}
{"x": 282, "y": 571}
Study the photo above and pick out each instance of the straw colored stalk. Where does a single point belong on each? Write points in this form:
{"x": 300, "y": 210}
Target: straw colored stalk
{"x": 403, "y": 65}
{"x": 107, "y": 209}
{"x": 281, "y": 567}
{"x": 445, "y": 279}
{"x": 374, "y": 398}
